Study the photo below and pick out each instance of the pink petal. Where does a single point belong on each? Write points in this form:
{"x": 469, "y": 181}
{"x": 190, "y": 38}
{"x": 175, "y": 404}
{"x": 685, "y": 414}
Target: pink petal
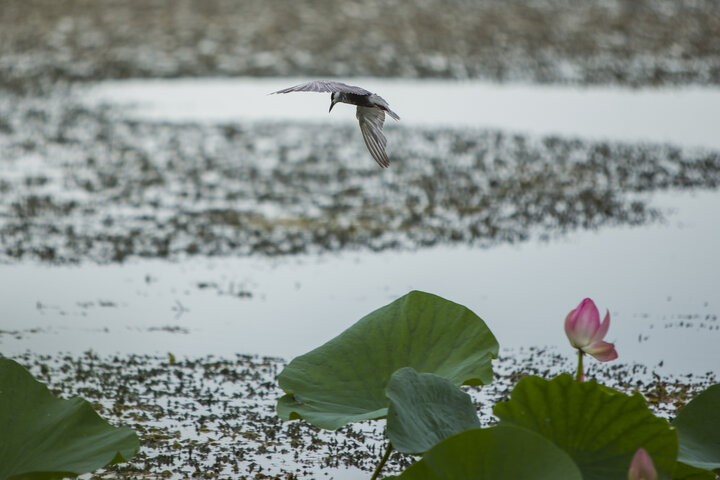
{"x": 641, "y": 467}
{"x": 583, "y": 322}
{"x": 570, "y": 326}
{"x": 602, "y": 351}
{"x": 603, "y": 329}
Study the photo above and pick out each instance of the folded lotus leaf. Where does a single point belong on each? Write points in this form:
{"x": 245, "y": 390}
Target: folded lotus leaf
{"x": 698, "y": 426}
{"x": 425, "y": 409}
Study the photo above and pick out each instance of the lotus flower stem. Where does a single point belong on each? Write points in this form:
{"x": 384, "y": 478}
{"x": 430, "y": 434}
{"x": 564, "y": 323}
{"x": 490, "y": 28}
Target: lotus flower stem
{"x": 580, "y": 374}
{"x": 380, "y": 465}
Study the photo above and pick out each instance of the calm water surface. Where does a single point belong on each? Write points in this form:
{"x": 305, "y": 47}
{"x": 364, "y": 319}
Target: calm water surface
{"x": 659, "y": 282}
{"x": 684, "y": 116}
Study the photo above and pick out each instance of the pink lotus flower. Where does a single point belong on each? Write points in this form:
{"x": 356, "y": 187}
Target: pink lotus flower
{"x": 586, "y": 333}
{"x": 641, "y": 467}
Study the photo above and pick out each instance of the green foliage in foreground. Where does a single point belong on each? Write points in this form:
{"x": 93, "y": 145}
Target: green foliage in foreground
{"x": 698, "y": 425}
{"x": 601, "y": 429}
{"x": 683, "y": 471}
{"x": 498, "y": 453}
{"x": 43, "y": 437}
{"x": 557, "y": 428}
{"x": 344, "y": 380}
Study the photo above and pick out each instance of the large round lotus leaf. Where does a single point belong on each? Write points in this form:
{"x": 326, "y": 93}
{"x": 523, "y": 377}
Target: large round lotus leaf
{"x": 698, "y": 426}
{"x": 601, "y": 429}
{"x": 425, "y": 409}
{"x": 497, "y": 453}
{"x": 44, "y": 437}
{"x": 344, "y": 380}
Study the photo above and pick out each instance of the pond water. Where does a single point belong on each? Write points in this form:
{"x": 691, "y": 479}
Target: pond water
{"x": 684, "y": 116}
{"x": 660, "y": 281}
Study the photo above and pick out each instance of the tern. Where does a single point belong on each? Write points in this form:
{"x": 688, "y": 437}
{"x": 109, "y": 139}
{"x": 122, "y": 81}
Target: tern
{"x": 371, "y": 110}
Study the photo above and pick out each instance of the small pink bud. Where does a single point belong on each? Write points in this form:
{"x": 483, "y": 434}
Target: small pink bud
{"x": 585, "y": 332}
{"x": 641, "y": 467}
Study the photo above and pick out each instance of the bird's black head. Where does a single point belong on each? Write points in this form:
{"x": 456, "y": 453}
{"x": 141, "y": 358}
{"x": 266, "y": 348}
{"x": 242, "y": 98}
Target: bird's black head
{"x": 334, "y": 98}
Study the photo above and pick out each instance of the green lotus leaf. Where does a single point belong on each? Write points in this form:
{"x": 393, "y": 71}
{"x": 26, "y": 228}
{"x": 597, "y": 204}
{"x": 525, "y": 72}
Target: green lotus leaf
{"x": 425, "y": 409}
{"x": 498, "y": 453}
{"x": 601, "y": 430}
{"x": 344, "y": 380}
{"x": 698, "y": 426}
{"x": 44, "y": 437}
{"x": 683, "y": 471}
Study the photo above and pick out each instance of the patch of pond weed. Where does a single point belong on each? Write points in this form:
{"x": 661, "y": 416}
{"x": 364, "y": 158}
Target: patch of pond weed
{"x": 114, "y": 189}
{"x": 215, "y": 417}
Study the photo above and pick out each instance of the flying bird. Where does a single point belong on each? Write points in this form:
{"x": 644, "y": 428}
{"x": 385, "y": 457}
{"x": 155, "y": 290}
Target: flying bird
{"x": 371, "y": 110}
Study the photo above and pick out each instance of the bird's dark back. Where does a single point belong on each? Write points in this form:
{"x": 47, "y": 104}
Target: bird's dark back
{"x": 354, "y": 99}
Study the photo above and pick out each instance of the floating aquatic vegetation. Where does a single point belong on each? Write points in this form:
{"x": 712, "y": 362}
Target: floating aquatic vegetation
{"x": 217, "y": 415}
{"x": 81, "y": 183}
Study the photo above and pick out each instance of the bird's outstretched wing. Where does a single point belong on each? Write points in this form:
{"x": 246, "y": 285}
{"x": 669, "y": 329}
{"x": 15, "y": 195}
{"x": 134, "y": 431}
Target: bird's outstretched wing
{"x": 324, "y": 86}
{"x": 371, "y": 123}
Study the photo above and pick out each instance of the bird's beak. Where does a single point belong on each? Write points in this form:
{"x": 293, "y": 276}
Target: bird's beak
{"x": 332, "y": 104}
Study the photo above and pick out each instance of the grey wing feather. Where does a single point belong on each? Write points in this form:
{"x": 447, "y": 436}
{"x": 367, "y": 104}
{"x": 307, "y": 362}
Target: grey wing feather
{"x": 325, "y": 86}
{"x": 371, "y": 123}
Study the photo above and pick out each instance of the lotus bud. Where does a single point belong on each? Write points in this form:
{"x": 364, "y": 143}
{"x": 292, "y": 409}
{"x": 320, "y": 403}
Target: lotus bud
{"x": 641, "y": 467}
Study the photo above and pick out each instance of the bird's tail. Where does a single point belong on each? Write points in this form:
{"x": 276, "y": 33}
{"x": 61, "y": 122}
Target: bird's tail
{"x": 392, "y": 114}
{"x": 383, "y": 105}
